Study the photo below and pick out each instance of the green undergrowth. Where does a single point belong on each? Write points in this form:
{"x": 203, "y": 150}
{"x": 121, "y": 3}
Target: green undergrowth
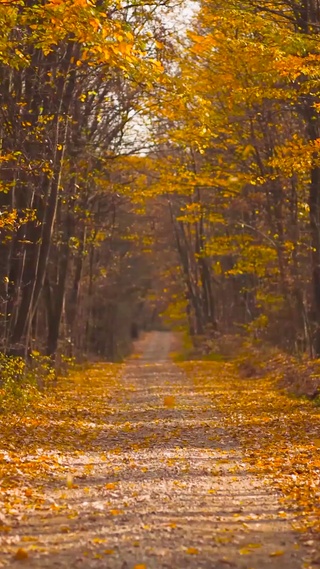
{"x": 23, "y": 383}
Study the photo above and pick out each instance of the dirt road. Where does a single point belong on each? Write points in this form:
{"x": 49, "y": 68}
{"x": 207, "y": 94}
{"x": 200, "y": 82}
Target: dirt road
{"x": 163, "y": 487}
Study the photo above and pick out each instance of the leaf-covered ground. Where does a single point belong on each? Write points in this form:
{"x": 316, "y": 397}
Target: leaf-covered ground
{"x": 279, "y": 434}
{"x": 148, "y": 465}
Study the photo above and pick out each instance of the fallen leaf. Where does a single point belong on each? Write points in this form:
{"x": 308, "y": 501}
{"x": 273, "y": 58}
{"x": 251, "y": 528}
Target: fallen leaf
{"x": 21, "y": 554}
{"x": 245, "y": 551}
{"x": 276, "y": 553}
{"x": 192, "y": 551}
{"x": 169, "y": 401}
{"x": 116, "y": 512}
{"x": 110, "y": 486}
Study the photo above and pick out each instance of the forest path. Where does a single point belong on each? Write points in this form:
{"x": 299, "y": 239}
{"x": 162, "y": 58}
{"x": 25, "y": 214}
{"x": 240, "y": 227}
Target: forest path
{"x": 163, "y": 486}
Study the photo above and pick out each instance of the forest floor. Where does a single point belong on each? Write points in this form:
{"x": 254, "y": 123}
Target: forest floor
{"x": 151, "y": 465}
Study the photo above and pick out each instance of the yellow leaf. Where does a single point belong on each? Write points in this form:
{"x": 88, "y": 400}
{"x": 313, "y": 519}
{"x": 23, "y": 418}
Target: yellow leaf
{"x": 276, "y": 553}
{"x": 140, "y": 566}
{"x": 245, "y": 551}
{"x": 249, "y": 548}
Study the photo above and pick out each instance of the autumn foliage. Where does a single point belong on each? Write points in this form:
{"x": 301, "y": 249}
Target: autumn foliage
{"x": 72, "y": 76}
{"x": 157, "y": 175}
{"x": 237, "y": 159}
{"x": 184, "y": 161}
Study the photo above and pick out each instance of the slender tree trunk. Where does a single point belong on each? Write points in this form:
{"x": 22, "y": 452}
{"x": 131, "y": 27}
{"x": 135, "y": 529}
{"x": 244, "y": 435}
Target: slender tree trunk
{"x": 314, "y": 206}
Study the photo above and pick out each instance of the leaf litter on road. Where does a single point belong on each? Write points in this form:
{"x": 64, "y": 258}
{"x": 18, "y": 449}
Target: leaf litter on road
{"x": 140, "y": 465}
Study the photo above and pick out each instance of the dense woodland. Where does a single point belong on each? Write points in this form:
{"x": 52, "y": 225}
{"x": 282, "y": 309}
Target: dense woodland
{"x": 154, "y": 175}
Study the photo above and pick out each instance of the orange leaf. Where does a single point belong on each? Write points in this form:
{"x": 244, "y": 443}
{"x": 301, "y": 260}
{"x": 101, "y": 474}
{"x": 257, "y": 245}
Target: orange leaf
{"x": 169, "y": 401}
{"x": 192, "y": 551}
{"x": 21, "y": 554}
{"x": 110, "y": 486}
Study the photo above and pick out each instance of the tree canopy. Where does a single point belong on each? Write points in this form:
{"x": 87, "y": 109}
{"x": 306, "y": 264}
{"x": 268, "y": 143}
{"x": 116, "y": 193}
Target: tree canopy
{"x": 152, "y": 176}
